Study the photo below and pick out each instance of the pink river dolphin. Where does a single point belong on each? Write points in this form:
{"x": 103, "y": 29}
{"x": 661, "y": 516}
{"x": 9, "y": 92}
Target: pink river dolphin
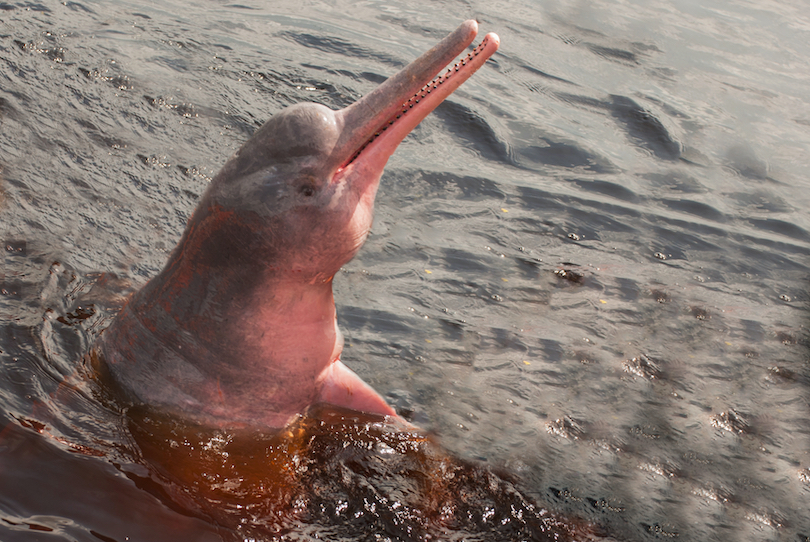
{"x": 239, "y": 328}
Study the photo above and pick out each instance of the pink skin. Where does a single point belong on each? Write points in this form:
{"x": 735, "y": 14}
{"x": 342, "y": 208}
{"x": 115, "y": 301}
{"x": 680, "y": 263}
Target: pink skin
{"x": 239, "y": 328}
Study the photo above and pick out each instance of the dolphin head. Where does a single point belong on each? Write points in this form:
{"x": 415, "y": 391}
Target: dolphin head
{"x": 240, "y": 325}
{"x": 303, "y": 186}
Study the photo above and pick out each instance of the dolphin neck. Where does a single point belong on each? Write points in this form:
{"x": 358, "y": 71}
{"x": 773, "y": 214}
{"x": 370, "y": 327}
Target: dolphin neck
{"x": 245, "y": 301}
{"x": 227, "y": 262}
{"x": 233, "y": 291}
{"x": 224, "y": 347}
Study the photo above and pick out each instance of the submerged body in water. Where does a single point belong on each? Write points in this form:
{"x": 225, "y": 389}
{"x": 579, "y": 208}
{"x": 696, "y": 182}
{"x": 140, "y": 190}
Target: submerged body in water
{"x": 352, "y": 475}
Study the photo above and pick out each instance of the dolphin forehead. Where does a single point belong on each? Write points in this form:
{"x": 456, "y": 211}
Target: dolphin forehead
{"x": 300, "y": 131}
{"x": 303, "y": 136}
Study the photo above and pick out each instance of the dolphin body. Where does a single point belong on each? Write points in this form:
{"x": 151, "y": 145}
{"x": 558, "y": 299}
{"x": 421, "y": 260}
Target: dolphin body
{"x": 239, "y": 328}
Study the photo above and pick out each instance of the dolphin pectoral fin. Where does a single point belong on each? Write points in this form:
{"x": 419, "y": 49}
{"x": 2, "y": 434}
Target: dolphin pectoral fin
{"x": 342, "y": 387}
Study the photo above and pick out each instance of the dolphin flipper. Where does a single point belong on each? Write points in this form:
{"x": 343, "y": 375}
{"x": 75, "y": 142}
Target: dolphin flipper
{"x": 342, "y": 387}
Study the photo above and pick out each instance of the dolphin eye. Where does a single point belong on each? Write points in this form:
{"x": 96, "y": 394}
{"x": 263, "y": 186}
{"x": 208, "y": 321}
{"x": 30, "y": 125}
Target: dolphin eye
{"x": 307, "y": 190}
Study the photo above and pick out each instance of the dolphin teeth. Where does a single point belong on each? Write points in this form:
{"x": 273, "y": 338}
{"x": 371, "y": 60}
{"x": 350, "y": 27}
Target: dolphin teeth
{"x": 426, "y": 89}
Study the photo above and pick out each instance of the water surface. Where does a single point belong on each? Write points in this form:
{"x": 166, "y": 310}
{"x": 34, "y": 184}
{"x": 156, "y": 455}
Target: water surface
{"x": 588, "y": 269}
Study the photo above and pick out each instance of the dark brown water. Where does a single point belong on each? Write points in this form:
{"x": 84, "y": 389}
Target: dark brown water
{"x": 587, "y": 279}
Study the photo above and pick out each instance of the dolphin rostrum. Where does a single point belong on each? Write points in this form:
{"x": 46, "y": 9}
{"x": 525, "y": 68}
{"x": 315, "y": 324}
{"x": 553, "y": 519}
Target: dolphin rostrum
{"x": 239, "y": 328}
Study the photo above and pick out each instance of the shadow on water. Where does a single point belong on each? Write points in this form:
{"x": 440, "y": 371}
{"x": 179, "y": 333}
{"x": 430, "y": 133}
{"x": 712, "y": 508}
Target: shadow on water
{"x": 641, "y": 125}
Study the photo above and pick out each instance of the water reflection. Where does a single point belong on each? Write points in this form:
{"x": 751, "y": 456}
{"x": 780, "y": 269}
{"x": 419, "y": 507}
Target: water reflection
{"x": 337, "y": 473}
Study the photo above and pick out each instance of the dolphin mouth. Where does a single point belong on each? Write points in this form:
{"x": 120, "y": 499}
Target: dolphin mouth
{"x": 374, "y": 126}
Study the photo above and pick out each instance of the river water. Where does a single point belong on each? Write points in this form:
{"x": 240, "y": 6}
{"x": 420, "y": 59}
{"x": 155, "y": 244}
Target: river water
{"x": 587, "y": 279}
